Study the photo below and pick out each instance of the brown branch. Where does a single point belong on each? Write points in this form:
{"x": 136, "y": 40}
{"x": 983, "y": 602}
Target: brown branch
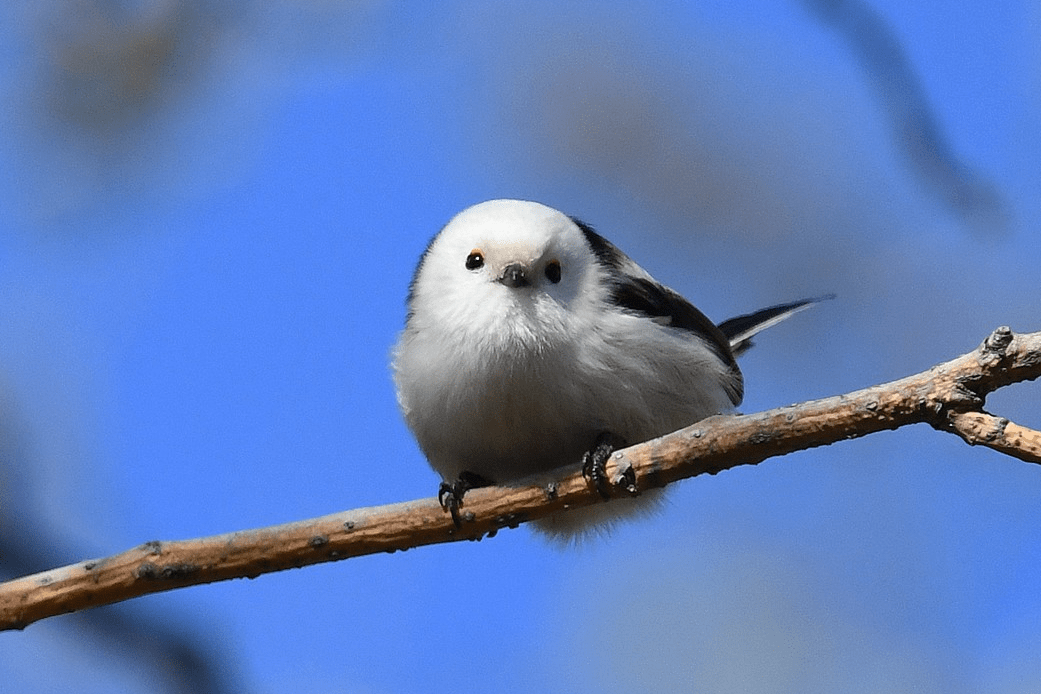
{"x": 983, "y": 429}
{"x": 949, "y": 397}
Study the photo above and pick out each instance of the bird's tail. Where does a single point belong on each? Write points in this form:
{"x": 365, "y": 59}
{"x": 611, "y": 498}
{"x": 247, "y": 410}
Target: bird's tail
{"x": 741, "y": 329}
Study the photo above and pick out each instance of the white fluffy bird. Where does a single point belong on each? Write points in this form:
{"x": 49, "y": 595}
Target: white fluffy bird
{"x": 531, "y": 340}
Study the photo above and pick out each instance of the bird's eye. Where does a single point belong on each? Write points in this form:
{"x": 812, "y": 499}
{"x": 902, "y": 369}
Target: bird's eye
{"x": 553, "y": 271}
{"x": 475, "y": 260}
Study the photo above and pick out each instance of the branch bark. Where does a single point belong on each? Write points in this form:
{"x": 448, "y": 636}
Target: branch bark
{"x": 949, "y": 397}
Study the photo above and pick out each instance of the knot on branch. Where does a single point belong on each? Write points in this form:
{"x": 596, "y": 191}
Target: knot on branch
{"x": 995, "y": 347}
{"x": 177, "y": 571}
{"x": 977, "y": 428}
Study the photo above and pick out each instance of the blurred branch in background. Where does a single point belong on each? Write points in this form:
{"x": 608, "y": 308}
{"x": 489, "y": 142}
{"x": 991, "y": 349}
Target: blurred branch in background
{"x": 918, "y": 132}
{"x": 949, "y": 397}
{"x": 108, "y": 65}
{"x": 117, "y": 107}
{"x": 101, "y": 94}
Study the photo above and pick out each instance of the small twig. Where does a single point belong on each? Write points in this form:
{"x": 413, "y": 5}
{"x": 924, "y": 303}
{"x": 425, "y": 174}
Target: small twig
{"x": 949, "y": 397}
{"x": 983, "y": 429}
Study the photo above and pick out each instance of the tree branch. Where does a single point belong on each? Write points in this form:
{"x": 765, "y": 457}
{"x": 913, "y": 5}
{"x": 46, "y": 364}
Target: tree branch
{"x": 949, "y": 397}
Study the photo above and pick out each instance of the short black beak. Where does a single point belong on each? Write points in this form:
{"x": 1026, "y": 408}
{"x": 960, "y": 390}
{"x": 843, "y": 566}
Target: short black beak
{"x": 515, "y": 275}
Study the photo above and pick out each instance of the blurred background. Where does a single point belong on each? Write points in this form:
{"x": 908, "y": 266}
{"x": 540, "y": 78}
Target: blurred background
{"x": 209, "y": 215}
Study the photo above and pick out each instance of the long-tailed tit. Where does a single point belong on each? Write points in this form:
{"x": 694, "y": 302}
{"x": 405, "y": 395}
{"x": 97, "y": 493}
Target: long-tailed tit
{"x": 531, "y": 341}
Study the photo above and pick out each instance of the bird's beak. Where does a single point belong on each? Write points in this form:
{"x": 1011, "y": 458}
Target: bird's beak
{"x": 515, "y": 275}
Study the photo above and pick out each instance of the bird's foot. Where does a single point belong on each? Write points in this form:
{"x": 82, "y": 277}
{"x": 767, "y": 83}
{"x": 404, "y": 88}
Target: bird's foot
{"x": 450, "y": 496}
{"x": 594, "y": 462}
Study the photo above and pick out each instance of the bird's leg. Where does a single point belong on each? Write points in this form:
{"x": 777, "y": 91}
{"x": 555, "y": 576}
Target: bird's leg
{"x": 450, "y": 496}
{"x": 595, "y": 459}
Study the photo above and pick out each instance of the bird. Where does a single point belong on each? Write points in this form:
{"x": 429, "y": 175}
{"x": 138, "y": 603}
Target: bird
{"x": 532, "y": 342}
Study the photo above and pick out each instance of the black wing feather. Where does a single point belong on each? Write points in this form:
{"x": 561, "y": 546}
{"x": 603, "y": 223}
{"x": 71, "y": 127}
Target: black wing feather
{"x": 649, "y": 298}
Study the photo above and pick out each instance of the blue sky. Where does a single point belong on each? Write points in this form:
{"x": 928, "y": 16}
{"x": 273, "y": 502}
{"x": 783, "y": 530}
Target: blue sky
{"x": 201, "y": 286}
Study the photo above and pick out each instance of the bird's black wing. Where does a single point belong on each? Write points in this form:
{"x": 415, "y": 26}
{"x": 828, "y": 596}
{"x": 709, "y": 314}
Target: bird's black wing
{"x": 634, "y": 290}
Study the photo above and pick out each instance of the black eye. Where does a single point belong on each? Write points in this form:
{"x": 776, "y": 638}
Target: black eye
{"x": 475, "y": 260}
{"x": 553, "y": 271}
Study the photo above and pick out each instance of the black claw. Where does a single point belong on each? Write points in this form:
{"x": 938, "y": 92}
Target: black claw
{"x": 594, "y": 462}
{"x": 629, "y": 477}
{"x": 450, "y": 496}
